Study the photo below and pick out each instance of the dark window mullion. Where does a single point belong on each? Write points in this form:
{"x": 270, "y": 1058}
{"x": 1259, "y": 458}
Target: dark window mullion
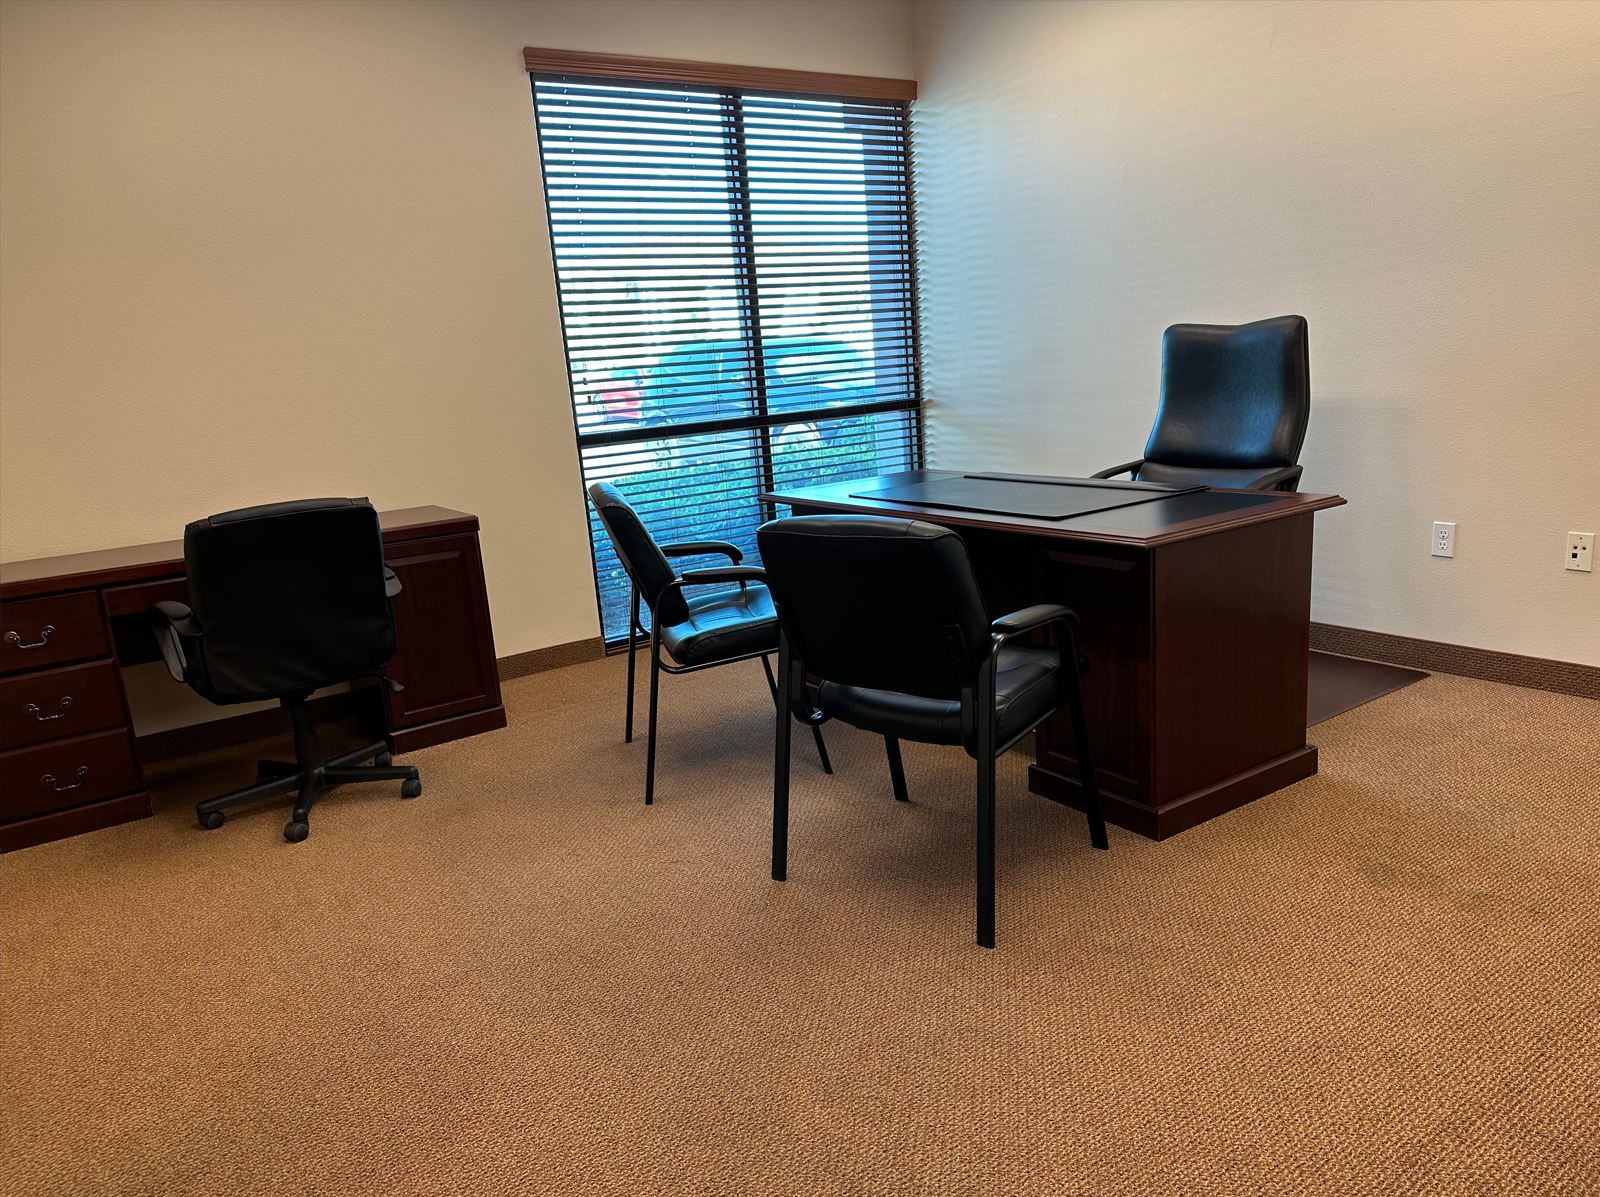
{"x": 748, "y": 289}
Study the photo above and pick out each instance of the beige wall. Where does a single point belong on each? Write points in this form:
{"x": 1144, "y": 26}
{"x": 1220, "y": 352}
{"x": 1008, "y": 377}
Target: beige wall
{"x": 1421, "y": 181}
{"x": 251, "y": 251}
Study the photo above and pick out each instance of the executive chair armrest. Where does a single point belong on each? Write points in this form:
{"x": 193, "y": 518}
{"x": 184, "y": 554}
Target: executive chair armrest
{"x": 701, "y": 548}
{"x": 1276, "y": 479}
{"x": 175, "y": 626}
{"x": 1127, "y": 467}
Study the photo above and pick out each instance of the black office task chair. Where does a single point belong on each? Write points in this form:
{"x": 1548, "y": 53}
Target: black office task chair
{"x": 283, "y": 600}
{"x": 1235, "y": 400}
{"x": 888, "y": 613}
{"x": 702, "y": 631}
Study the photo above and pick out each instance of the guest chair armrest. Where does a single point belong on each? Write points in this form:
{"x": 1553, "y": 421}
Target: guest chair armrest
{"x": 1127, "y": 467}
{"x": 391, "y": 583}
{"x": 1030, "y": 618}
{"x": 175, "y": 627}
{"x": 701, "y": 548}
{"x": 723, "y": 573}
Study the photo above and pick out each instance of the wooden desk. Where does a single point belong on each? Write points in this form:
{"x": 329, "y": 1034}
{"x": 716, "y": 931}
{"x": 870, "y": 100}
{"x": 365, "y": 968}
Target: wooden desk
{"x": 64, "y": 713}
{"x": 1196, "y": 618}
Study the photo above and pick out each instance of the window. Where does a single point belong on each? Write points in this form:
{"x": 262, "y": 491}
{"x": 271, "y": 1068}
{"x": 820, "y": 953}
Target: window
{"x": 735, "y": 275}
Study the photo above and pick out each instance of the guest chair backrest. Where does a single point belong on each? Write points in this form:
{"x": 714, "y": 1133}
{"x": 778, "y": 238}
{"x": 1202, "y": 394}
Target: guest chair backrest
{"x": 288, "y": 597}
{"x": 1232, "y": 396}
{"x": 885, "y": 604}
{"x": 640, "y": 555}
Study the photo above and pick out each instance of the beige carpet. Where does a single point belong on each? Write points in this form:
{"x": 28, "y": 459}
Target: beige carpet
{"x": 1383, "y": 980}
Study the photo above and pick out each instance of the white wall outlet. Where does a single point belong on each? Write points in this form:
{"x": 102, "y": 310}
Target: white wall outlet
{"x": 1444, "y": 540}
{"x": 1580, "y": 551}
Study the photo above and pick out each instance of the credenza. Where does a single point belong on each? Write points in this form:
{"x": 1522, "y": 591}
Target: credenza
{"x": 68, "y": 759}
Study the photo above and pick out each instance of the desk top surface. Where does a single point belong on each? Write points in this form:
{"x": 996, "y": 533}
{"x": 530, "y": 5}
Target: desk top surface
{"x": 1160, "y": 521}
{"x": 137, "y": 563}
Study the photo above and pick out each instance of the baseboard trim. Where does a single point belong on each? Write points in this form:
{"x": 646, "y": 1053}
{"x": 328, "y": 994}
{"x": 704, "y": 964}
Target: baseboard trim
{"x": 554, "y": 657}
{"x": 1534, "y": 673}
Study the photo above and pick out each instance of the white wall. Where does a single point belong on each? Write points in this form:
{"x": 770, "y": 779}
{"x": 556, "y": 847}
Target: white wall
{"x": 1421, "y": 181}
{"x": 261, "y": 250}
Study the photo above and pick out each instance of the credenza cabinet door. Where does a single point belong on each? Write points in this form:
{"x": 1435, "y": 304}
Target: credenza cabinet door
{"x": 445, "y": 657}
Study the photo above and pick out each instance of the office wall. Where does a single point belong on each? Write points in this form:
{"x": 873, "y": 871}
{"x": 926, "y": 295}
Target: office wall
{"x": 1421, "y": 181}
{"x": 261, "y": 250}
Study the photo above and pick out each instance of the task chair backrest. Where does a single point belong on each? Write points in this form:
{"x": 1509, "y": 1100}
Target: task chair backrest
{"x": 288, "y": 596}
{"x": 1232, "y": 396}
{"x": 637, "y": 550}
{"x": 886, "y": 604}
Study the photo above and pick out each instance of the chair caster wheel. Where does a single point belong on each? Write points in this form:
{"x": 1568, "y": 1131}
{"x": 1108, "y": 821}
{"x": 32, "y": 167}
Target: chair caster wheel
{"x": 296, "y": 831}
{"x": 383, "y": 758}
{"x": 213, "y": 820}
{"x": 411, "y": 789}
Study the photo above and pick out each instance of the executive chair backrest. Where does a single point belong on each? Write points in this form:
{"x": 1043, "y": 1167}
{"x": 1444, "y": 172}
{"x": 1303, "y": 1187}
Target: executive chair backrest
{"x": 288, "y": 597}
{"x": 886, "y": 604}
{"x": 1232, "y": 397}
{"x": 636, "y": 548}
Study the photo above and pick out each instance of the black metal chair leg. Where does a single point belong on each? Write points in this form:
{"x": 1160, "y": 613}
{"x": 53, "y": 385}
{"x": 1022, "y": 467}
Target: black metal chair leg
{"x": 897, "y": 769}
{"x": 650, "y": 750}
{"x": 780, "y": 775}
{"x": 633, "y": 623}
{"x": 1087, "y": 777}
{"x": 985, "y": 819}
{"x": 772, "y": 683}
{"x": 822, "y": 750}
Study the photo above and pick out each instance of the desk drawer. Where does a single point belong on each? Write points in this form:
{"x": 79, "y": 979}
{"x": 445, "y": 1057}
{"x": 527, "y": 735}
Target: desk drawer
{"x": 54, "y": 704}
{"x": 83, "y": 769}
{"x": 38, "y": 633}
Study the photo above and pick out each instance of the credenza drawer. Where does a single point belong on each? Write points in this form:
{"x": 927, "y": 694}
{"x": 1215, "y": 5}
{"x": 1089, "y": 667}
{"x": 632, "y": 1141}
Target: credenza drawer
{"x": 67, "y": 773}
{"x": 54, "y": 704}
{"x": 39, "y": 633}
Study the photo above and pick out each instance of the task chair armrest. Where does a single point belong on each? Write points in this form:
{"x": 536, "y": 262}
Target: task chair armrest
{"x": 391, "y": 583}
{"x": 1127, "y": 467}
{"x": 1276, "y": 479}
{"x": 702, "y": 548}
{"x": 175, "y": 627}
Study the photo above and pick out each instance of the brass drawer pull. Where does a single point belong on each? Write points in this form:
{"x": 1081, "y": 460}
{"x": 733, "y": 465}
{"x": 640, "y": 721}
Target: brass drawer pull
{"x": 48, "y": 780}
{"x": 44, "y": 635}
{"x": 33, "y": 709}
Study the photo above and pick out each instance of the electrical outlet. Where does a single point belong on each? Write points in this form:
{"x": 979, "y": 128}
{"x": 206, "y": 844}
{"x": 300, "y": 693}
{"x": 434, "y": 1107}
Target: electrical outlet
{"x": 1444, "y": 540}
{"x": 1580, "y": 551}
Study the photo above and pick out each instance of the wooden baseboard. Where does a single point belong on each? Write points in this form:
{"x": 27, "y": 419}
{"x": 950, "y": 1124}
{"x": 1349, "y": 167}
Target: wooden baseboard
{"x": 553, "y": 657}
{"x": 1536, "y": 673}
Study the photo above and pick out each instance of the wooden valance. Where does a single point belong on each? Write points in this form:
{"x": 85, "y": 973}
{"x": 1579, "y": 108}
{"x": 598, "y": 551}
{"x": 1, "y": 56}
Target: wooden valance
{"x": 715, "y": 74}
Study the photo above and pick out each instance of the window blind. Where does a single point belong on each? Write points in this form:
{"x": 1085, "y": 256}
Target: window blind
{"x": 736, "y": 278}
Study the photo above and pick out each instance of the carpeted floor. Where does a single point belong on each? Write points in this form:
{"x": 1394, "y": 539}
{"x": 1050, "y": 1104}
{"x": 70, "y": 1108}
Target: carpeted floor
{"x": 1384, "y": 980}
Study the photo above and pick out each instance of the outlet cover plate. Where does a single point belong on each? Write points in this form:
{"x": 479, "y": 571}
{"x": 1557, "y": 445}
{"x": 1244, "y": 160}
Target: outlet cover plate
{"x": 1580, "y": 551}
{"x": 1444, "y": 540}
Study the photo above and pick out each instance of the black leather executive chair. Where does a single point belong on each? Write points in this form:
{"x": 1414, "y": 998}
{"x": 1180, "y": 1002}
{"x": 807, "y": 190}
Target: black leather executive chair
{"x": 888, "y": 613}
{"x": 285, "y": 599}
{"x": 700, "y": 631}
{"x": 1235, "y": 400}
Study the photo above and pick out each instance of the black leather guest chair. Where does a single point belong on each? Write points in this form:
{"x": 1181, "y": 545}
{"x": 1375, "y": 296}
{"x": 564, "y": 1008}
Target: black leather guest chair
{"x": 285, "y": 599}
{"x": 887, "y": 612}
{"x": 1235, "y": 400}
{"x": 700, "y": 631}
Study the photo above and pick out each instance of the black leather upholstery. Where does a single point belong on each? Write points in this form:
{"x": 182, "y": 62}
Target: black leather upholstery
{"x": 887, "y": 612}
{"x": 722, "y": 624}
{"x": 284, "y": 598}
{"x": 1027, "y": 688}
{"x": 1235, "y": 402}
{"x": 641, "y": 556}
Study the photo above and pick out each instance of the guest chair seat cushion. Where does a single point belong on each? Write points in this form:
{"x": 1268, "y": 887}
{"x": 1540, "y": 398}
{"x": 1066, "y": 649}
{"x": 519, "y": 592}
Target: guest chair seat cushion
{"x": 1027, "y": 688}
{"x": 723, "y": 624}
